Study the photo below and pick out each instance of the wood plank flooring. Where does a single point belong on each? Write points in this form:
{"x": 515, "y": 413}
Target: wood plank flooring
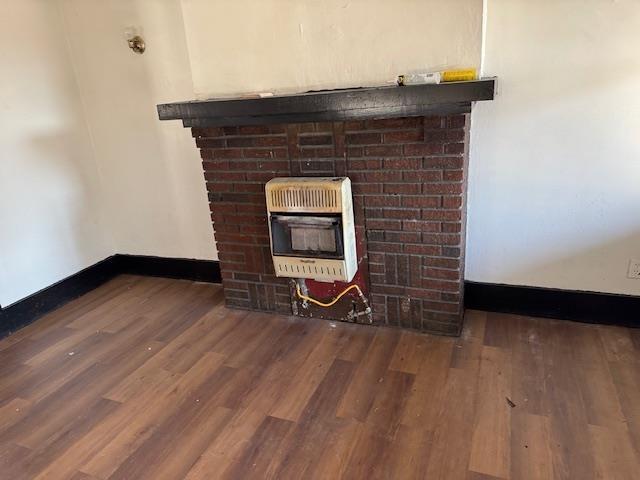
{"x": 149, "y": 378}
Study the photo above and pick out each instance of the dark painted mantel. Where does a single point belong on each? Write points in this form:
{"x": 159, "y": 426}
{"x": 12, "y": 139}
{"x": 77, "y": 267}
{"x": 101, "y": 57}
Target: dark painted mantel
{"x": 332, "y": 105}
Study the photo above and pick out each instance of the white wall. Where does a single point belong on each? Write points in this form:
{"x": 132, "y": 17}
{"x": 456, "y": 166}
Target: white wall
{"x": 87, "y": 169}
{"x": 50, "y": 220}
{"x": 156, "y": 200}
{"x": 554, "y": 189}
{"x": 554, "y": 171}
{"x": 152, "y": 174}
{"x": 248, "y": 46}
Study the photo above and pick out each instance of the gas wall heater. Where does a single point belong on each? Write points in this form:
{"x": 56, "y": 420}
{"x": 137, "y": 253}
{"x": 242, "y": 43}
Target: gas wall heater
{"x": 311, "y": 228}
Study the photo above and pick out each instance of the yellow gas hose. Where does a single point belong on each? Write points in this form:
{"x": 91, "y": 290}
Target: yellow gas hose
{"x": 332, "y": 302}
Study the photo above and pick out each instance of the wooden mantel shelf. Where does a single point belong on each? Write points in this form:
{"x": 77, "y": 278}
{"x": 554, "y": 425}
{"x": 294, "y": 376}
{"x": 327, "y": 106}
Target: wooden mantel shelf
{"x": 332, "y": 105}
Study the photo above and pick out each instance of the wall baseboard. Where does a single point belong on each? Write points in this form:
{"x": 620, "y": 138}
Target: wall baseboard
{"x": 589, "y": 307}
{"x": 182, "y": 268}
{"x": 34, "y": 306}
{"x": 27, "y": 310}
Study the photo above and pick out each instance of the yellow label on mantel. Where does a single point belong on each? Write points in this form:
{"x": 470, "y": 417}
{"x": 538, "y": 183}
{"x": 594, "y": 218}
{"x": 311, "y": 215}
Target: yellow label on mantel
{"x": 462, "y": 75}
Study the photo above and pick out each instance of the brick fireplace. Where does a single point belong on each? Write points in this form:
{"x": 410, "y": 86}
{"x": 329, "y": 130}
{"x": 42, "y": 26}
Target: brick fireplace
{"x": 408, "y": 177}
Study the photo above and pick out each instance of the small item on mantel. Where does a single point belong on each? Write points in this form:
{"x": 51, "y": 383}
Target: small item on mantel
{"x": 419, "y": 78}
{"x": 458, "y": 75}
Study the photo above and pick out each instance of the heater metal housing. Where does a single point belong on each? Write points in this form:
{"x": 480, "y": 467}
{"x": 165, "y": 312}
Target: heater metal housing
{"x": 311, "y": 228}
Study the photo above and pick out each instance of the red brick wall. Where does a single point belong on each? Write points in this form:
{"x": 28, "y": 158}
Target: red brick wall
{"x": 409, "y": 181}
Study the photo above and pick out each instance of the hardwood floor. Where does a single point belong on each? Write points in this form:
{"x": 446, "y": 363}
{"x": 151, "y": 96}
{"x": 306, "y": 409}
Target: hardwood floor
{"x": 148, "y": 378}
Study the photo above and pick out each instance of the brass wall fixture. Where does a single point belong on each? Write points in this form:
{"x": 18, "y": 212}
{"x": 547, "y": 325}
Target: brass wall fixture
{"x": 136, "y": 44}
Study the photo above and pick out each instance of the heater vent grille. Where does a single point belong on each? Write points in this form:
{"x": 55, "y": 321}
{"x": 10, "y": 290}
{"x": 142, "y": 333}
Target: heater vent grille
{"x": 322, "y": 270}
{"x": 304, "y": 198}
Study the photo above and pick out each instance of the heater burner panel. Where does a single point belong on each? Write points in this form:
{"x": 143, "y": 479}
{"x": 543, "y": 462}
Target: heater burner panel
{"x": 311, "y": 239}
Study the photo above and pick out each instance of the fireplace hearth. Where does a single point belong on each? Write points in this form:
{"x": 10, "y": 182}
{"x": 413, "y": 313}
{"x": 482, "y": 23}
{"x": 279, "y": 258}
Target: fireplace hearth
{"x": 408, "y": 180}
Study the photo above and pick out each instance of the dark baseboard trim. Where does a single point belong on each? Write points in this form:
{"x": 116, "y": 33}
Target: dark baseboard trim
{"x": 27, "y": 310}
{"x": 34, "y": 306}
{"x": 589, "y": 307}
{"x": 182, "y": 268}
